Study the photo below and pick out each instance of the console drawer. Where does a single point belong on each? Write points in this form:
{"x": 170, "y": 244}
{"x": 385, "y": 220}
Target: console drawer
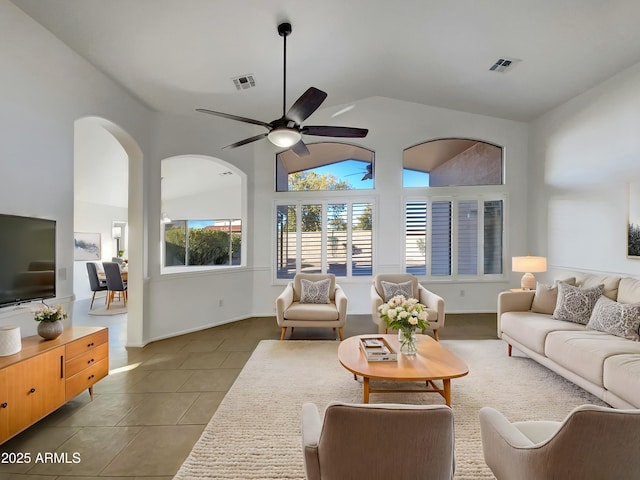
{"x": 86, "y": 378}
{"x": 87, "y": 359}
{"x": 85, "y": 344}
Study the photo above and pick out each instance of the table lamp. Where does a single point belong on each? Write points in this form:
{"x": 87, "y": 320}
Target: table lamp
{"x": 528, "y": 265}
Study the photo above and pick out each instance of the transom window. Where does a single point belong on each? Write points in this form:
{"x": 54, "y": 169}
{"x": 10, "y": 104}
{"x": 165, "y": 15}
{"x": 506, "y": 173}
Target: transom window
{"x": 452, "y": 162}
{"x": 329, "y": 166}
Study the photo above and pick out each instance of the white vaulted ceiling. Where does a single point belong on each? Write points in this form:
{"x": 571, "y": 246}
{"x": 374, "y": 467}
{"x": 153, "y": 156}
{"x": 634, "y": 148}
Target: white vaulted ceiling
{"x": 178, "y": 55}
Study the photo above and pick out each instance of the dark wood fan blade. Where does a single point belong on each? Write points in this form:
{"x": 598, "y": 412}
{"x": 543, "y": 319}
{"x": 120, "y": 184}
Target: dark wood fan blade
{"x": 324, "y": 131}
{"x": 235, "y": 117}
{"x": 300, "y": 149}
{"x": 308, "y": 103}
{"x": 247, "y": 140}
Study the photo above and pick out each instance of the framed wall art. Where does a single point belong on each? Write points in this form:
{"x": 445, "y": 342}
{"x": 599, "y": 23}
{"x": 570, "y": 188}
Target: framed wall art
{"x": 86, "y": 246}
{"x": 633, "y": 223}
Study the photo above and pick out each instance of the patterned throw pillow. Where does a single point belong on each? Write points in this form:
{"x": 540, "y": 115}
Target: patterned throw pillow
{"x": 315, "y": 292}
{"x": 546, "y": 296}
{"x": 392, "y": 289}
{"x": 575, "y": 304}
{"x": 620, "y": 319}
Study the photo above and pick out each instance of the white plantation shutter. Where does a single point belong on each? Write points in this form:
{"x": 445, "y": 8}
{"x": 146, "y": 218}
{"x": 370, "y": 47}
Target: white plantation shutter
{"x": 468, "y": 237}
{"x": 416, "y": 238}
{"x": 441, "y": 238}
{"x": 493, "y": 233}
{"x": 455, "y": 237}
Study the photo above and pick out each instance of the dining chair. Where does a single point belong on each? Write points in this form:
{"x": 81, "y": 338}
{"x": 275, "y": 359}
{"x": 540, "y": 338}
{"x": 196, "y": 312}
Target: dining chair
{"x": 95, "y": 283}
{"x": 114, "y": 281}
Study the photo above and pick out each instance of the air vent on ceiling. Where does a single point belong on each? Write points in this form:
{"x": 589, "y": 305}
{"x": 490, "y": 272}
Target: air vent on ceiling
{"x": 244, "y": 81}
{"x": 226, "y": 173}
{"x": 503, "y": 65}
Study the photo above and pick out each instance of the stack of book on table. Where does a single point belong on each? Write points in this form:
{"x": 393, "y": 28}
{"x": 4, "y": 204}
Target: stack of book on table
{"x": 376, "y": 349}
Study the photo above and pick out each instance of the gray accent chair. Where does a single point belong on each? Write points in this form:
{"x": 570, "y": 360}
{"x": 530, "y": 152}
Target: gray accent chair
{"x": 433, "y": 302}
{"x": 592, "y": 443}
{"x": 378, "y": 442}
{"x": 290, "y": 312}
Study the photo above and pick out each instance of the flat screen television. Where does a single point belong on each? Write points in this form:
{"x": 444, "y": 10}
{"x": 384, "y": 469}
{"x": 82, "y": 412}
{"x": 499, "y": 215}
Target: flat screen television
{"x": 27, "y": 259}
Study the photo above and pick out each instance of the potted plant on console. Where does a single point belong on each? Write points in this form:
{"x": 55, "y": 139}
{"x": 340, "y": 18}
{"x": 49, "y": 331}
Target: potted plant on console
{"x": 50, "y": 321}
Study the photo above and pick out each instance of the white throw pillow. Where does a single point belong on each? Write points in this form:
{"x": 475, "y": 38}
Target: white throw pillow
{"x": 392, "y": 289}
{"x": 575, "y": 304}
{"x": 546, "y": 296}
{"x": 620, "y": 319}
{"x": 315, "y": 292}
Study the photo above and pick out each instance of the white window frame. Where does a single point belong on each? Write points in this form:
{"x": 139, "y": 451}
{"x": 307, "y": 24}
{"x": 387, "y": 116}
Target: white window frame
{"x": 455, "y": 198}
{"x": 349, "y": 197}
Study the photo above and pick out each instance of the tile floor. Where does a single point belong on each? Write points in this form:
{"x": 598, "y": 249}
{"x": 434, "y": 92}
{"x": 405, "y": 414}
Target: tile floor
{"x": 148, "y": 413}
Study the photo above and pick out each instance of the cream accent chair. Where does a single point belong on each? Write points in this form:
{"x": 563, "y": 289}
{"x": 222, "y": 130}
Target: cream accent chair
{"x": 592, "y": 443}
{"x": 378, "y": 442}
{"x": 433, "y": 302}
{"x": 291, "y": 313}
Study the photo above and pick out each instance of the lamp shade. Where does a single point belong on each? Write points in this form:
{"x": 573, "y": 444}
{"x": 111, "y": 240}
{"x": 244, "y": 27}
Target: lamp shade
{"x": 529, "y": 264}
{"x": 284, "y": 137}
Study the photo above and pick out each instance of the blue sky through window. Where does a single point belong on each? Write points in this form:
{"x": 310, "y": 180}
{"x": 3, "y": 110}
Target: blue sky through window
{"x": 353, "y": 170}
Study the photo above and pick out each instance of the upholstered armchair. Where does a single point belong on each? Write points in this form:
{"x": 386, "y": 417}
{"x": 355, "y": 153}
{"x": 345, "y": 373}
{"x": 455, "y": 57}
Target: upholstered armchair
{"x": 592, "y": 443}
{"x": 386, "y": 286}
{"x": 312, "y": 300}
{"x": 383, "y": 441}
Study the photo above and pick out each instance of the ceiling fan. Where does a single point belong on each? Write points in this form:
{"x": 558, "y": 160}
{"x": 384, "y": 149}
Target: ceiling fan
{"x": 287, "y": 130}
{"x": 368, "y": 173}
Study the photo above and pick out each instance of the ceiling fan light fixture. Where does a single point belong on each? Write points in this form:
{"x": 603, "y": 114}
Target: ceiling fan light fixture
{"x": 284, "y": 137}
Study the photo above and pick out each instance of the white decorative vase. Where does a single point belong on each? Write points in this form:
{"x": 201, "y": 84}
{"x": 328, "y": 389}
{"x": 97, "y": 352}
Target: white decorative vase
{"x": 50, "y": 330}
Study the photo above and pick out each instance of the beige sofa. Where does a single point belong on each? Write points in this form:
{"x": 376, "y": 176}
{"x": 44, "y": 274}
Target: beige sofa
{"x": 606, "y": 365}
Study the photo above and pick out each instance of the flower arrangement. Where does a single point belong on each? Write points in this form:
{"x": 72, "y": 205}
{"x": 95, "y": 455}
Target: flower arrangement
{"x": 50, "y": 314}
{"x": 402, "y": 313}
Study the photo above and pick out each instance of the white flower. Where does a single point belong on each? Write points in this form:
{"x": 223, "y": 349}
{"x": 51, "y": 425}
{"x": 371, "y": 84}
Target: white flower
{"x": 423, "y": 315}
{"x": 404, "y": 314}
{"x": 413, "y": 321}
{"x": 392, "y": 313}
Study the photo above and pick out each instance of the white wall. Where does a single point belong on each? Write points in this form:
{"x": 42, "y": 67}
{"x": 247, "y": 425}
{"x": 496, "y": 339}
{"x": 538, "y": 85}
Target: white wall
{"x": 44, "y": 88}
{"x": 393, "y": 126}
{"x": 583, "y": 154}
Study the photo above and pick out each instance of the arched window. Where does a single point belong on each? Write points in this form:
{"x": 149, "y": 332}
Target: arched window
{"x": 452, "y": 162}
{"x": 329, "y": 166}
{"x": 202, "y": 207}
{"x": 453, "y": 229}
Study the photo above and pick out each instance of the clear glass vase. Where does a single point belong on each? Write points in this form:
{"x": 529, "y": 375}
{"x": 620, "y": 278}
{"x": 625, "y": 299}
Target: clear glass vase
{"x": 407, "y": 341}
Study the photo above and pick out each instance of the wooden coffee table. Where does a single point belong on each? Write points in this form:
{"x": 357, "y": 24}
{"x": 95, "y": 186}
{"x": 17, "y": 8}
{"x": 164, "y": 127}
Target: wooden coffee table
{"x": 432, "y": 362}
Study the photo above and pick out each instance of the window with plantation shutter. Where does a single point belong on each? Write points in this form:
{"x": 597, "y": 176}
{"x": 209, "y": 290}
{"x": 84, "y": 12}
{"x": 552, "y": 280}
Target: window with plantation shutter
{"x": 448, "y": 238}
{"x": 324, "y": 237}
{"x": 493, "y": 236}
{"x": 416, "y": 238}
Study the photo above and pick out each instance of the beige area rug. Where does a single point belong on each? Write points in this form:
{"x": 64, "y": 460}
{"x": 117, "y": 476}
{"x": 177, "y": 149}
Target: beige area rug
{"x": 255, "y": 433}
{"x": 116, "y": 308}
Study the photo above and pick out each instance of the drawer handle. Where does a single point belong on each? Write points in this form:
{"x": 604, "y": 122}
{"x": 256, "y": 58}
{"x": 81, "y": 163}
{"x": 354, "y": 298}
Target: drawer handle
{"x": 92, "y": 360}
{"x": 33, "y": 390}
{"x": 4, "y": 405}
{"x": 90, "y": 377}
{"x": 90, "y": 344}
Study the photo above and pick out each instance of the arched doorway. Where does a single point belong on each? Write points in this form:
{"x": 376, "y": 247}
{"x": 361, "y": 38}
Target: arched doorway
{"x": 122, "y": 176}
